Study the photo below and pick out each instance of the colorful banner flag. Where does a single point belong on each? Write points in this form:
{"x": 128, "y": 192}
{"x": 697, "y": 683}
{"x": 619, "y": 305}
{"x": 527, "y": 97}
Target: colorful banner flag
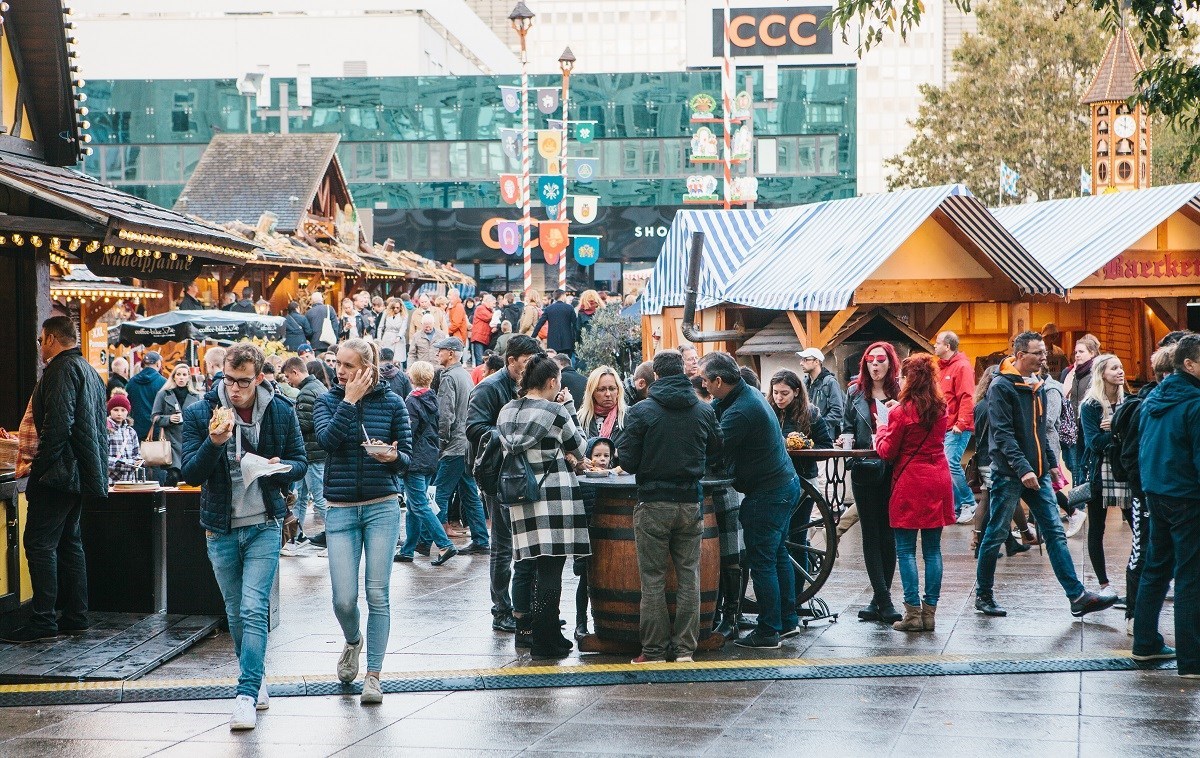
{"x": 510, "y": 188}
{"x": 583, "y": 207}
{"x": 587, "y": 250}
{"x": 585, "y": 168}
{"x": 552, "y": 167}
{"x": 547, "y": 99}
{"x": 555, "y": 123}
{"x": 550, "y": 189}
{"x": 511, "y": 98}
{"x": 553, "y": 237}
{"x": 1085, "y": 181}
{"x": 510, "y": 139}
{"x": 549, "y": 143}
{"x": 509, "y": 234}
{"x": 585, "y": 131}
{"x": 1008, "y": 180}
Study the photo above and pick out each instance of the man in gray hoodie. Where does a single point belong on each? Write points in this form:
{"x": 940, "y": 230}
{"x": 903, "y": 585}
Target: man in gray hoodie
{"x": 454, "y": 399}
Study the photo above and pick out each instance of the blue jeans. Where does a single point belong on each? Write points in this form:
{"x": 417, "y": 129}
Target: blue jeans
{"x": 1005, "y": 494}
{"x": 419, "y": 522}
{"x": 452, "y": 473}
{"x": 931, "y": 551}
{"x": 766, "y": 516}
{"x": 477, "y": 349}
{"x": 245, "y": 561}
{"x": 1174, "y": 552}
{"x": 312, "y": 484}
{"x": 956, "y": 447}
{"x": 348, "y": 530}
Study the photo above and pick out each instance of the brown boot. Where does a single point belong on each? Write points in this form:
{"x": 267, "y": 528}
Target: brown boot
{"x": 927, "y": 614}
{"x": 912, "y": 621}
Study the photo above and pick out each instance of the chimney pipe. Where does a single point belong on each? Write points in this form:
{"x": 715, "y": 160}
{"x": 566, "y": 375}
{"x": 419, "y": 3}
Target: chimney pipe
{"x": 690, "y": 332}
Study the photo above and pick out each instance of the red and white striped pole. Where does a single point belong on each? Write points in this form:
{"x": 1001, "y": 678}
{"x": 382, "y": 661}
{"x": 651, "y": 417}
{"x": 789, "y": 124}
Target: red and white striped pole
{"x": 566, "y": 61}
{"x": 727, "y": 94}
{"x": 526, "y": 249}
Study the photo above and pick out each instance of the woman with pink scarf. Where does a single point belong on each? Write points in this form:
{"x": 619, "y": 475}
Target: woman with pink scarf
{"x": 602, "y": 409}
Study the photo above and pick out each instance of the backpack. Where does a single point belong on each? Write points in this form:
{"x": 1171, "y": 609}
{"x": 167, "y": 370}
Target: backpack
{"x": 1122, "y": 418}
{"x": 488, "y": 462}
{"x": 518, "y": 485}
{"x": 1068, "y": 426}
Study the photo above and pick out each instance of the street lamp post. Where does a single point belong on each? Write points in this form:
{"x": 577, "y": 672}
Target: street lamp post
{"x": 521, "y": 19}
{"x": 566, "y": 62}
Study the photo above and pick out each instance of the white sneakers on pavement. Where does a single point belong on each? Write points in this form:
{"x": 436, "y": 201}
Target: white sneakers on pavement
{"x": 967, "y": 515}
{"x": 347, "y": 667}
{"x": 244, "y": 714}
{"x": 264, "y": 697}
{"x": 1075, "y": 522}
{"x": 372, "y": 692}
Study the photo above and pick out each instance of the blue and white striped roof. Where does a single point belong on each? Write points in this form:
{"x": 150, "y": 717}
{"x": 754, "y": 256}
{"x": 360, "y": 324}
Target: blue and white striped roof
{"x": 1075, "y": 237}
{"x": 728, "y": 236}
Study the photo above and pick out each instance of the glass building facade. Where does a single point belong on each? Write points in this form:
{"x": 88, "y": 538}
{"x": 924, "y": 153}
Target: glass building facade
{"x": 416, "y": 148}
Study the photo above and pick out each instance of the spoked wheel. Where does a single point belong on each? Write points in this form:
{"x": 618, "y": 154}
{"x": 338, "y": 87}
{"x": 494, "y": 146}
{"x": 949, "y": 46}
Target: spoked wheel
{"x": 812, "y": 562}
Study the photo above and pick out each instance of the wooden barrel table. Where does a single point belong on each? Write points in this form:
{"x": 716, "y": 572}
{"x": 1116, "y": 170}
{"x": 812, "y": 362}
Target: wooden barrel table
{"x": 614, "y": 585}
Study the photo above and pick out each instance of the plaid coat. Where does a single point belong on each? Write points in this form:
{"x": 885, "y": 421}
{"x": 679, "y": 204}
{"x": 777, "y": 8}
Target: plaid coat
{"x": 545, "y": 432}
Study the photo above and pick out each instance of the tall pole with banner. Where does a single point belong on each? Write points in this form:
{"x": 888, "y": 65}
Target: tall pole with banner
{"x": 566, "y": 62}
{"x": 522, "y": 19}
{"x": 727, "y": 94}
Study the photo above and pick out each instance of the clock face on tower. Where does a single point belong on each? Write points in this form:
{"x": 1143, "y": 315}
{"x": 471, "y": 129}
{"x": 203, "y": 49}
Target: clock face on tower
{"x": 1124, "y": 126}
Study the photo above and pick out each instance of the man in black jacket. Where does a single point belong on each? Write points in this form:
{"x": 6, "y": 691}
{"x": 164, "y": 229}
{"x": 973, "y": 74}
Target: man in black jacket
{"x": 666, "y": 443}
{"x": 71, "y": 464}
{"x": 191, "y": 300}
{"x": 488, "y": 397}
{"x": 574, "y": 381}
{"x": 513, "y": 310}
{"x": 246, "y": 304}
{"x": 1023, "y": 463}
{"x": 563, "y": 324}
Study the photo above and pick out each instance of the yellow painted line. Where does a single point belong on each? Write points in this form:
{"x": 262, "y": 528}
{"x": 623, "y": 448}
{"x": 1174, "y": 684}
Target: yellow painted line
{"x": 569, "y": 671}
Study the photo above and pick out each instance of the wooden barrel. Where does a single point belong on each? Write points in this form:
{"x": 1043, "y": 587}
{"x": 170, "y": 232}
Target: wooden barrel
{"x": 614, "y": 585}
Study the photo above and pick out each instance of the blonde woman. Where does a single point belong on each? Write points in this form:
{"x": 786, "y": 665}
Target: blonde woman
{"x": 589, "y": 303}
{"x": 602, "y": 409}
{"x": 392, "y": 329}
{"x": 363, "y": 493}
{"x": 1107, "y": 391}
{"x": 531, "y": 313}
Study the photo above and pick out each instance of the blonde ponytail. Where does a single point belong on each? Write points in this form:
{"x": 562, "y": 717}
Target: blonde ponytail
{"x": 368, "y": 353}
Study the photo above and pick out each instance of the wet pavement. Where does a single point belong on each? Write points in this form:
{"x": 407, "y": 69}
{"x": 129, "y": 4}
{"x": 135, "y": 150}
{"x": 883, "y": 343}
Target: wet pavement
{"x": 441, "y": 621}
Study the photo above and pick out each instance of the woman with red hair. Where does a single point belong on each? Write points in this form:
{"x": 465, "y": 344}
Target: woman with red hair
{"x": 922, "y": 499}
{"x": 878, "y": 383}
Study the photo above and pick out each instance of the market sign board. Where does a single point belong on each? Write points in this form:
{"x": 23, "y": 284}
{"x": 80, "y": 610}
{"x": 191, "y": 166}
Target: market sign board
{"x": 764, "y": 32}
{"x": 1142, "y": 268}
{"x": 171, "y": 267}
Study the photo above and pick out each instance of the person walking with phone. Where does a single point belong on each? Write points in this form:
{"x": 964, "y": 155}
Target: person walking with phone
{"x": 364, "y": 427}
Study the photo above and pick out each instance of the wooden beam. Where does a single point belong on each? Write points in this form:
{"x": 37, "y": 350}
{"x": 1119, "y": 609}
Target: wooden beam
{"x": 1134, "y": 293}
{"x": 931, "y": 327}
{"x": 835, "y": 324}
{"x": 1164, "y": 312}
{"x": 798, "y": 328}
{"x": 812, "y": 325}
{"x": 52, "y": 226}
{"x": 271, "y": 286}
{"x": 236, "y": 276}
{"x": 891, "y": 291}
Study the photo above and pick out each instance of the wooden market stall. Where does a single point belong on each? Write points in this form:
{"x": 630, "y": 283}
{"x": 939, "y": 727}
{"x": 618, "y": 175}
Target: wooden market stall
{"x": 92, "y": 301}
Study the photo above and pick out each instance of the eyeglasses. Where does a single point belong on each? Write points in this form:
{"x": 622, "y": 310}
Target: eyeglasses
{"x": 876, "y": 359}
{"x": 243, "y": 383}
{"x": 1038, "y": 353}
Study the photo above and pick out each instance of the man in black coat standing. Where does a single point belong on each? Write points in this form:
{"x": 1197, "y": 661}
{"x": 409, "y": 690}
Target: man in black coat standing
{"x": 318, "y": 316}
{"x": 246, "y": 304}
{"x": 572, "y": 380}
{"x": 191, "y": 300}
{"x": 71, "y": 464}
{"x": 563, "y": 324}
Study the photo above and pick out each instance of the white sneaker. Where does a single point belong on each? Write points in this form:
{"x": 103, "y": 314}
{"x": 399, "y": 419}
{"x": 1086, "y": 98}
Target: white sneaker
{"x": 1129, "y": 627}
{"x": 1075, "y": 522}
{"x": 264, "y": 697}
{"x": 684, "y": 659}
{"x": 967, "y": 515}
{"x": 372, "y": 693}
{"x": 244, "y": 716}
{"x": 347, "y": 668}
{"x": 288, "y": 550}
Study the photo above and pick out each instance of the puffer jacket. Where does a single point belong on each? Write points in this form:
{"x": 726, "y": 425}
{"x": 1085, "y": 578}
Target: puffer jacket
{"x": 68, "y": 412}
{"x": 352, "y": 476}
{"x": 668, "y": 441}
{"x": 422, "y": 404}
{"x": 206, "y": 465}
{"x": 310, "y": 390}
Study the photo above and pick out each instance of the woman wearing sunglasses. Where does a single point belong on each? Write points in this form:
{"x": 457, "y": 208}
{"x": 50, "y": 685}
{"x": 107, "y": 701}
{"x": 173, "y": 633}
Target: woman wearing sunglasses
{"x": 876, "y": 389}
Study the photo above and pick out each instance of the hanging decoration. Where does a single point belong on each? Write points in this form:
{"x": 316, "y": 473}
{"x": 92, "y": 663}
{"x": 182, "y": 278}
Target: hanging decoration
{"x": 549, "y": 143}
{"x": 586, "y": 249}
{"x": 741, "y": 143}
{"x": 585, "y": 169}
{"x": 585, "y": 131}
{"x": 742, "y": 104}
{"x": 553, "y": 237}
{"x": 509, "y": 234}
{"x": 745, "y": 189}
{"x": 701, "y": 188}
{"x": 510, "y": 140}
{"x": 510, "y": 188}
{"x": 550, "y": 189}
{"x": 584, "y": 207}
{"x": 704, "y": 144}
{"x": 511, "y": 98}
{"x": 547, "y": 100}
{"x": 703, "y": 106}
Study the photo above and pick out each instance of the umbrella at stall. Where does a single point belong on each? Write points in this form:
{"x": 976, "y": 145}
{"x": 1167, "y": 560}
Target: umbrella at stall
{"x": 177, "y": 326}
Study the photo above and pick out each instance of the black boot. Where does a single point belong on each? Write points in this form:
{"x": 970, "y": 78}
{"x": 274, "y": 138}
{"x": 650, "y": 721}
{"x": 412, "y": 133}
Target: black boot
{"x": 581, "y": 599}
{"x": 887, "y": 612}
{"x": 524, "y": 636}
{"x": 548, "y": 641}
{"x": 731, "y": 601}
{"x": 1012, "y": 546}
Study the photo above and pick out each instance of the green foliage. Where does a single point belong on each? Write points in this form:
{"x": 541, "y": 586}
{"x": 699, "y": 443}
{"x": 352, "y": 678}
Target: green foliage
{"x": 1015, "y": 98}
{"x": 611, "y": 340}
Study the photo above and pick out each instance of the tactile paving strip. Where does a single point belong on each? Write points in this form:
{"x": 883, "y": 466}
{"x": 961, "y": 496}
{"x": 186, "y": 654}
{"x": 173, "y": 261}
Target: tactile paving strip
{"x": 521, "y": 677}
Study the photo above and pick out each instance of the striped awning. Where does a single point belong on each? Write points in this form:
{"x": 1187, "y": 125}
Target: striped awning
{"x": 813, "y": 257}
{"x": 1075, "y": 237}
{"x": 728, "y": 236}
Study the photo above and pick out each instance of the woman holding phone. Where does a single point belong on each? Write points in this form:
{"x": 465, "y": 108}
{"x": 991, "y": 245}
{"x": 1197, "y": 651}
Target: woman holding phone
{"x": 364, "y": 427}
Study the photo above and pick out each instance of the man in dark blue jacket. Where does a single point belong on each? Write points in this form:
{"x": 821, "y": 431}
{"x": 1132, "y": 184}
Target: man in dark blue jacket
{"x": 242, "y": 519}
{"x": 1169, "y": 465}
{"x": 563, "y": 323}
{"x": 142, "y": 389}
{"x": 762, "y": 471}
{"x": 1023, "y": 464}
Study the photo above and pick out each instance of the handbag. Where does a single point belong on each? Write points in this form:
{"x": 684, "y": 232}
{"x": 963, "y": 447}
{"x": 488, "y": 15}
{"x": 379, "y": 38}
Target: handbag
{"x": 1082, "y": 493}
{"x": 327, "y": 335}
{"x": 487, "y": 463}
{"x": 974, "y": 477}
{"x": 871, "y": 471}
{"x": 156, "y": 452}
{"x": 518, "y": 485}
{"x": 291, "y": 524}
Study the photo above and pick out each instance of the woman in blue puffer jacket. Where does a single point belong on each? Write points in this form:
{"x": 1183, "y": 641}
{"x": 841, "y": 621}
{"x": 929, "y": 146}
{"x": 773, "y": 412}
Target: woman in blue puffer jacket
{"x": 363, "y": 493}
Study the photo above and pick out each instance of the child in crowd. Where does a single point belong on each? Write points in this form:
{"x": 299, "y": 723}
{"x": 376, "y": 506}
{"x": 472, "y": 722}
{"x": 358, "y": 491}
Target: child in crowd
{"x": 599, "y": 456}
{"x": 124, "y": 450}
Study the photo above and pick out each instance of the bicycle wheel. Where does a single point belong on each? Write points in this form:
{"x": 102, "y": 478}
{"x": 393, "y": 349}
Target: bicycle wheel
{"x": 812, "y": 563}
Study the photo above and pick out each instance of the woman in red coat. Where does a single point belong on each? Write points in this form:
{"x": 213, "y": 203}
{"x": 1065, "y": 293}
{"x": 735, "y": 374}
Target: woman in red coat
{"x": 922, "y": 496}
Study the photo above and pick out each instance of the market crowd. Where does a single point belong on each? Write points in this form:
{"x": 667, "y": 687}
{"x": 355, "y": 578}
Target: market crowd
{"x": 399, "y": 426}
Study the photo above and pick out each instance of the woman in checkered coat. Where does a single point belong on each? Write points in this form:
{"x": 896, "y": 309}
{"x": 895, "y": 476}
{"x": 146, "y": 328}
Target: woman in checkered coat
{"x": 541, "y": 425}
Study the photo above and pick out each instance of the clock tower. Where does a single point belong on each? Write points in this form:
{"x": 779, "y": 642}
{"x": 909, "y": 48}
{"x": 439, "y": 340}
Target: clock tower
{"x": 1120, "y": 133}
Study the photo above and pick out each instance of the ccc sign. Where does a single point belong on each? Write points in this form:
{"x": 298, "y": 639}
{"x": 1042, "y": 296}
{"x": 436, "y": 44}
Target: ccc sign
{"x": 773, "y": 31}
